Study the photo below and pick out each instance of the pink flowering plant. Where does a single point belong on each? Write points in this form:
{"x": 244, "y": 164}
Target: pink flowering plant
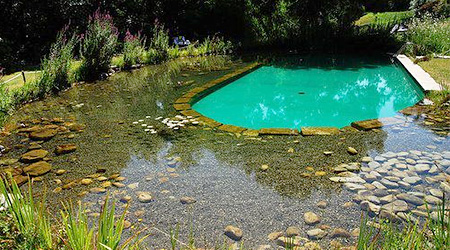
{"x": 98, "y": 45}
{"x": 133, "y": 49}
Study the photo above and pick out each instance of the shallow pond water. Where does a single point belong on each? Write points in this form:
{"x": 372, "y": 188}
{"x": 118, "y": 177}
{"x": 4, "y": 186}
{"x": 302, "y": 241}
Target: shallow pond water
{"x": 219, "y": 170}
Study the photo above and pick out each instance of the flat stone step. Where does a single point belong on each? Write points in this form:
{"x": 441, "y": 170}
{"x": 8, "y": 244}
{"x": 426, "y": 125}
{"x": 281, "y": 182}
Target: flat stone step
{"x": 423, "y": 78}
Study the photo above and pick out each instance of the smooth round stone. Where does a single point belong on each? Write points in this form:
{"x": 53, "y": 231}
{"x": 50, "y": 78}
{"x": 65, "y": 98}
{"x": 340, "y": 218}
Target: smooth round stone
{"x": 233, "y": 233}
{"x": 382, "y": 170}
{"x": 410, "y": 199}
{"x": 375, "y": 173}
{"x": 404, "y": 185}
{"x": 413, "y": 180}
{"x": 353, "y": 186}
{"x": 370, "y": 207}
{"x": 402, "y": 154}
{"x": 311, "y": 218}
{"x": 388, "y": 183}
{"x": 433, "y": 200}
{"x": 401, "y": 166}
{"x": 437, "y": 193}
{"x": 367, "y": 159}
{"x": 444, "y": 163}
{"x": 187, "y": 200}
{"x": 421, "y": 168}
{"x": 379, "y": 158}
{"x": 370, "y": 177}
{"x": 374, "y": 164}
{"x": 145, "y": 197}
{"x": 399, "y": 174}
{"x": 340, "y": 233}
{"x": 410, "y": 161}
{"x": 366, "y": 169}
{"x": 392, "y": 178}
{"x": 387, "y": 199}
{"x": 316, "y": 233}
{"x": 396, "y": 206}
{"x": 322, "y": 204}
{"x": 415, "y": 152}
{"x": 389, "y": 155}
{"x": 292, "y": 231}
{"x": 378, "y": 185}
{"x": 389, "y": 215}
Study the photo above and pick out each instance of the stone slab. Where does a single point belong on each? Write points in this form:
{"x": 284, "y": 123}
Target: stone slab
{"x": 367, "y": 124}
{"x": 278, "y": 131}
{"x": 423, "y": 78}
{"x": 308, "y": 131}
{"x": 232, "y": 129}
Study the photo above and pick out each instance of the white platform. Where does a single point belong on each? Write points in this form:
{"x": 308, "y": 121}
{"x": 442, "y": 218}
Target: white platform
{"x": 423, "y": 78}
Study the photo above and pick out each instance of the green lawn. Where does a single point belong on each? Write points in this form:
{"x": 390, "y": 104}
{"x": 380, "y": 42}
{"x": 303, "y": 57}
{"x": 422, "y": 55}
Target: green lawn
{"x": 384, "y": 18}
{"x": 439, "y": 69}
{"x": 17, "y": 82}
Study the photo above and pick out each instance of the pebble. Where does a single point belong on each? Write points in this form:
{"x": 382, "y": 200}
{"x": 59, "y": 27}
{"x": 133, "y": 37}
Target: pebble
{"x": 311, "y": 218}
{"x": 316, "y": 234}
{"x": 340, "y": 233}
{"x": 86, "y": 181}
{"x": 233, "y": 233}
{"x": 186, "y": 200}
{"x": 264, "y": 167}
{"x": 292, "y": 231}
{"x": 322, "y": 204}
{"x": 352, "y": 151}
{"x": 145, "y": 197}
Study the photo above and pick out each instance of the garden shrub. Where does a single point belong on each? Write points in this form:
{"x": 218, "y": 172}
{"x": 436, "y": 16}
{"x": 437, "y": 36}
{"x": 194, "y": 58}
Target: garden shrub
{"x": 429, "y": 35}
{"x": 133, "y": 49}
{"x": 98, "y": 45}
{"x": 159, "y": 45}
{"x": 55, "y": 67}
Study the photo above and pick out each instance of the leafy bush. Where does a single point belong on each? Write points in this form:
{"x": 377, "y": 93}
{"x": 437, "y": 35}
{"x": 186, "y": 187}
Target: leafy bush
{"x": 98, "y": 45}
{"x": 429, "y": 35}
{"x": 159, "y": 46}
{"x": 55, "y": 67}
{"x": 133, "y": 49}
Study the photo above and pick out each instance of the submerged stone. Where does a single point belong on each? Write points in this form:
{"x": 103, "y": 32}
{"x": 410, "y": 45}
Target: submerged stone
{"x": 38, "y": 168}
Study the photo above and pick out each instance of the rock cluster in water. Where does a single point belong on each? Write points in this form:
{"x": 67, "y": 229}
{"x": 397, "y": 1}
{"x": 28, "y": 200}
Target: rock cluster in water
{"x": 398, "y": 186}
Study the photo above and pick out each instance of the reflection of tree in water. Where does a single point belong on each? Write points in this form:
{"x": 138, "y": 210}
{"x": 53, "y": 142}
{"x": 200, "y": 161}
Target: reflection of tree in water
{"x": 286, "y": 170}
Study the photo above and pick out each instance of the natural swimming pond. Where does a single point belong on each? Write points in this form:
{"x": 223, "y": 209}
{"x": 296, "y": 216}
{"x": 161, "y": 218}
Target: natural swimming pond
{"x": 313, "y": 91}
{"x": 220, "y": 171}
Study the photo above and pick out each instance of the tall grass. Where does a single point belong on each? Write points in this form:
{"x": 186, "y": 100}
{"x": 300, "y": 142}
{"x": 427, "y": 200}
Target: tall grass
{"x": 429, "y": 35}
{"x": 434, "y": 233}
{"x": 31, "y": 218}
{"x": 76, "y": 227}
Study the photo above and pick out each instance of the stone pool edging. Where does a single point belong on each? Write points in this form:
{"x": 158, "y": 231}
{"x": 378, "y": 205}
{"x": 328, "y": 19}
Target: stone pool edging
{"x": 184, "y": 106}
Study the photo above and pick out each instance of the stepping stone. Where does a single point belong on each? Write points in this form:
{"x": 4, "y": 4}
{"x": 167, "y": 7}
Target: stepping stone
{"x": 37, "y": 168}
{"x": 367, "y": 124}
{"x": 65, "y": 149}
{"x": 34, "y": 156}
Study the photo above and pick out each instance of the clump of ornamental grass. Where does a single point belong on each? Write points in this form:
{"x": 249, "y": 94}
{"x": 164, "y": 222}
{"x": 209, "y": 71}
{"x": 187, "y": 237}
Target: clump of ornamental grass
{"x": 31, "y": 219}
{"x": 98, "y": 45}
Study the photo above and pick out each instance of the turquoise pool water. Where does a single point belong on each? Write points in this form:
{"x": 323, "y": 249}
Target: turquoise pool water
{"x": 313, "y": 91}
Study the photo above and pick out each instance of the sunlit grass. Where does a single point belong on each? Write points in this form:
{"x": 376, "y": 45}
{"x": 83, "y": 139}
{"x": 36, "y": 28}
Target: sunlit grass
{"x": 384, "y": 18}
{"x": 439, "y": 69}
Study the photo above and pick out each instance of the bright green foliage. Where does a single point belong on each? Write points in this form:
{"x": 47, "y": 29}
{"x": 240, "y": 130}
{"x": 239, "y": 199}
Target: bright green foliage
{"x": 98, "y": 45}
{"x": 384, "y": 18}
{"x": 133, "y": 49}
{"x": 433, "y": 234}
{"x": 159, "y": 45}
{"x": 30, "y": 218}
{"x": 109, "y": 229}
{"x": 76, "y": 228}
{"x": 429, "y": 35}
{"x": 55, "y": 67}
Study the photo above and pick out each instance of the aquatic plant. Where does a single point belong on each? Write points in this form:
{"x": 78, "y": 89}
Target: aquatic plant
{"x": 31, "y": 219}
{"x": 98, "y": 45}
{"x": 76, "y": 228}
